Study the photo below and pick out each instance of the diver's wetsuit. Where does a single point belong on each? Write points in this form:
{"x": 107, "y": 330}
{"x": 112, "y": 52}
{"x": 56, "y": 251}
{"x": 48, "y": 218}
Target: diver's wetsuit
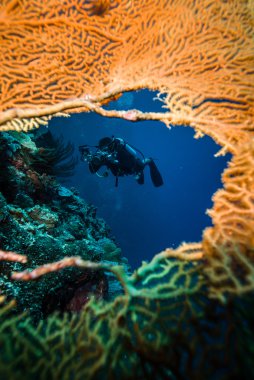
{"x": 121, "y": 159}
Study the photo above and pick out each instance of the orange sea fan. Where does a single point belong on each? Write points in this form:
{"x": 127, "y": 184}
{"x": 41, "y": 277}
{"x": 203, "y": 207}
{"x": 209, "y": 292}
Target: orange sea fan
{"x": 194, "y": 52}
{"x": 198, "y": 55}
{"x": 233, "y": 211}
{"x": 12, "y": 256}
{"x": 98, "y": 7}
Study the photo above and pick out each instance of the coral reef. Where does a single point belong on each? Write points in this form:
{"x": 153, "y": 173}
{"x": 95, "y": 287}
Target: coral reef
{"x": 162, "y": 327}
{"x": 187, "y": 314}
{"x": 47, "y": 222}
{"x": 198, "y": 56}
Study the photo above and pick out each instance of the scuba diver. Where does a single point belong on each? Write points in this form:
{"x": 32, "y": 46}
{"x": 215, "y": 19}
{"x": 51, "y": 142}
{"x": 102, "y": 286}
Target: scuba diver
{"x": 121, "y": 159}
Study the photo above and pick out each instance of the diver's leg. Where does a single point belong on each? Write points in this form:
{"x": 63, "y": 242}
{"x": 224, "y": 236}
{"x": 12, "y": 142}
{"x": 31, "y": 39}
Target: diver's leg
{"x": 147, "y": 161}
{"x": 140, "y": 178}
{"x": 155, "y": 174}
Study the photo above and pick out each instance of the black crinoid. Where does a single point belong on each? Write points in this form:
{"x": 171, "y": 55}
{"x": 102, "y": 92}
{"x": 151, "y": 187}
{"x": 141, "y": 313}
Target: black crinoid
{"x": 53, "y": 157}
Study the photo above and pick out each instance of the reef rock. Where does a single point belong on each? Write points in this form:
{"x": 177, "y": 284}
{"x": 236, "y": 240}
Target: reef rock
{"x": 46, "y": 221}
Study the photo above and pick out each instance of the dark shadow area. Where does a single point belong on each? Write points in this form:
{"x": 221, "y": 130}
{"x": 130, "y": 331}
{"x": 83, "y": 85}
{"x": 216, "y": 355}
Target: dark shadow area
{"x": 145, "y": 219}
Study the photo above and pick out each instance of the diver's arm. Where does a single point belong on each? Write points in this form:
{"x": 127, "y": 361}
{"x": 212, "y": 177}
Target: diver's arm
{"x": 102, "y": 159}
{"x": 93, "y": 168}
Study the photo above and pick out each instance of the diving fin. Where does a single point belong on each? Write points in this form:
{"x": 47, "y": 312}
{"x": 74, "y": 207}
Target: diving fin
{"x": 155, "y": 174}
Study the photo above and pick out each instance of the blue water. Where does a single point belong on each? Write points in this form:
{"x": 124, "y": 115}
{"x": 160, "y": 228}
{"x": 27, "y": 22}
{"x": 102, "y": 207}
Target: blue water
{"x": 144, "y": 219}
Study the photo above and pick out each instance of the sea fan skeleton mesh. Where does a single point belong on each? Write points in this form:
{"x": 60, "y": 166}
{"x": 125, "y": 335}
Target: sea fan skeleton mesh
{"x": 194, "y": 52}
{"x": 163, "y": 326}
{"x": 59, "y": 56}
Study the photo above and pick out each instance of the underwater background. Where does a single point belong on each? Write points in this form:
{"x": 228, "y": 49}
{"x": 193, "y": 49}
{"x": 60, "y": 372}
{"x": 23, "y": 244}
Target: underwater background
{"x": 145, "y": 219}
{"x": 133, "y": 282}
